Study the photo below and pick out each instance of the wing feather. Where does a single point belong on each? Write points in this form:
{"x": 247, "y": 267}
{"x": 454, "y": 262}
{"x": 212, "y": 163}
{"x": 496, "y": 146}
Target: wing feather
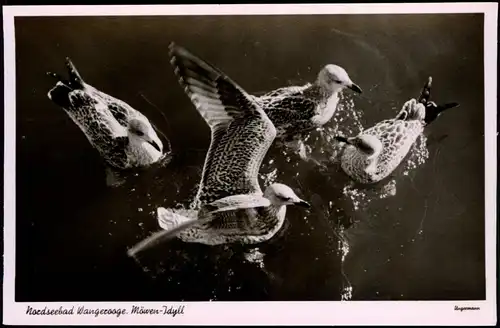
{"x": 241, "y": 131}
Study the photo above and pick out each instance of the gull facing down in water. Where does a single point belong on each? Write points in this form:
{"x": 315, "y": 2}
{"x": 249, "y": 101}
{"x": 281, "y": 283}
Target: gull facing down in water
{"x": 376, "y": 152}
{"x": 233, "y": 208}
{"x": 123, "y": 136}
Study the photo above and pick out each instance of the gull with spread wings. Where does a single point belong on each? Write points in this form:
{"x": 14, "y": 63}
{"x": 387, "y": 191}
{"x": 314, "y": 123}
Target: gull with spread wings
{"x": 233, "y": 208}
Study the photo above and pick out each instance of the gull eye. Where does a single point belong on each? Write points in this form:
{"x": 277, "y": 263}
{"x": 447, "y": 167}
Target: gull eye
{"x": 139, "y": 133}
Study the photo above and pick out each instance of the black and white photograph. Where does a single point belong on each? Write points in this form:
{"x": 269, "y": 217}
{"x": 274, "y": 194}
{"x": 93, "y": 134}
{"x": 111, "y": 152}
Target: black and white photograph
{"x": 250, "y": 164}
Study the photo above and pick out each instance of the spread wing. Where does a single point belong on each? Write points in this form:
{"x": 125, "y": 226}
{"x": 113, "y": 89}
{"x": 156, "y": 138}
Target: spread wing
{"x": 241, "y": 131}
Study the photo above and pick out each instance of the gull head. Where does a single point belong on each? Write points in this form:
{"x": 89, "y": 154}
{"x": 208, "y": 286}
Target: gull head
{"x": 140, "y": 130}
{"x": 368, "y": 145}
{"x": 280, "y": 195}
{"x": 334, "y": 78}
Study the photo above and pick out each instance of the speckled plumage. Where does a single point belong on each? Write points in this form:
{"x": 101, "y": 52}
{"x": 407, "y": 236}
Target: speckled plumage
{"x": 396, "y": 135}
{"x": 298, "y": 109}
{"x": 233, "y": 208}
{"x": 376, "y": 152}
{"x": 105, "y": 121}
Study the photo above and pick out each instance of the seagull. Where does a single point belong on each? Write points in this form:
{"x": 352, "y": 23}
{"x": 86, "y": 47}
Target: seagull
{"x": 299, "y": 109}
{"x": 123, "y": 136}
{"x": 233, "y": 208}
{"x": 375, "y": 153}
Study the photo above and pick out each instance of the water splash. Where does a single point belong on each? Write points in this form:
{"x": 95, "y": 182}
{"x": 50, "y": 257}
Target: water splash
{"x": 320, "y": 146}
{"x": 358, "y": 197}
{"x": 419, "y": 154}
{"x": 343, "y": 246}
{"x": 255, "y": 256}
{"x": 346, "y": 293}
{"x": 325, "y": 211}
{"x": 317, "y": 148}
{"x": 270, "y": 177}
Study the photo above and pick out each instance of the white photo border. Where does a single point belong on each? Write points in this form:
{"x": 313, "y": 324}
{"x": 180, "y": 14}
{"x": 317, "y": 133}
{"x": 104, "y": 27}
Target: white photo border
{"x": 258, "y": 313}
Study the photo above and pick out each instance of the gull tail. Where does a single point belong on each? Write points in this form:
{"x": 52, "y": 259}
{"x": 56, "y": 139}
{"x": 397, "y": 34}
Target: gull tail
{"x": 412, "y": 111}
{"x": 217, "y": 98}
{"x": 432, "y": 110}
{"x": 425, "y": 94}
{"x": 59, "y": 94}
{"x": 423, "y": 108}
{"x": 172, "y": 222}
{"x": 169, "y": 218}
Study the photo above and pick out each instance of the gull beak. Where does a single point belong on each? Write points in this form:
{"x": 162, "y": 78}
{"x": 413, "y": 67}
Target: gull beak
{"x": 354, "y": 87}
{"x": 343, "y": 139}
{"x": 155, "y": 145}
{"x": 303, "y": 203}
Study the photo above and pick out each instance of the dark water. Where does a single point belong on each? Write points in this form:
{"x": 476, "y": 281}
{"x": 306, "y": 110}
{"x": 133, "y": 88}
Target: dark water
{"x": 426, "y": 241}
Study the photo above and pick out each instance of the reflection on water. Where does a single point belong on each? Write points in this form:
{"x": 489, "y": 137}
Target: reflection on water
{"x": 417, "y": 235}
